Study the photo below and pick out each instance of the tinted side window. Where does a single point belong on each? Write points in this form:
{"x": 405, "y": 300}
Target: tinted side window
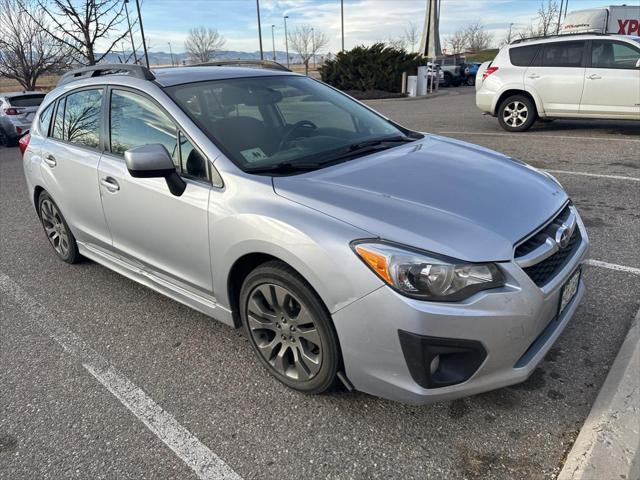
{"x": 607, "y": 54}
{"x": 45, "y": 120}
{"x": 59, "y": 120}
{"x": 563, "y": 54}
{"x": 83, "y": 118}
{"x": 137, "y": 121}
{"x": 523, "y": 56}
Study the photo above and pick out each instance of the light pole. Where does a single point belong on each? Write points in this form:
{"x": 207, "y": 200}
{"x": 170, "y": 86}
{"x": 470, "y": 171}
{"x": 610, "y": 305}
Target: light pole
{"x": 342, "y": 21}
{"x": 510, "y": 26}
{"x": 133, "y": 45}
{"x": 144, "y": 42}
{"x": 313, "y": 46}
{"x": 273, "y": 41}
{"x": 559, "y": 17}
{"x": 286, "y": 40}
{"x": 259, "y": 29}
{"x": 171, "y": 52}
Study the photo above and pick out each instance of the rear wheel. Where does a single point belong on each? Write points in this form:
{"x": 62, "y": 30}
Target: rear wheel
{"x": 4, "y": 140}
{"x": 57, "y": 230}
{"x": 448, "y": 79}
{"x": 517, "y": 113}
{"x": 289, "y": 328}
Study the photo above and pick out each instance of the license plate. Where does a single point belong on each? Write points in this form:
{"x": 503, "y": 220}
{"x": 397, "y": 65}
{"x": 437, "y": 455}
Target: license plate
{"x": 569, "y": 290}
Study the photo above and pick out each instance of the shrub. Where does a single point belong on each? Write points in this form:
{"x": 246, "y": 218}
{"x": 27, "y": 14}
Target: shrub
{"x": 378, "y": 67}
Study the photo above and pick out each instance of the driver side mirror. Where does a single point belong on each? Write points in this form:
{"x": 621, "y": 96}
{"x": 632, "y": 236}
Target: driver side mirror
{"x": 154, "y": 161}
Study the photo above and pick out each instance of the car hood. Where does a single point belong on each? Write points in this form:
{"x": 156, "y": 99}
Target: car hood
{"x": 437, "y": 194}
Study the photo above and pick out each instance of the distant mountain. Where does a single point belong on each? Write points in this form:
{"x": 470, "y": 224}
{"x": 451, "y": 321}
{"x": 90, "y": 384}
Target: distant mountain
{"x": 164, "y": 58}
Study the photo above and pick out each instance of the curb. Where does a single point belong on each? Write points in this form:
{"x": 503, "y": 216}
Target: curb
{"x": 608, "y": 446}
{"x": 410, "y": 99}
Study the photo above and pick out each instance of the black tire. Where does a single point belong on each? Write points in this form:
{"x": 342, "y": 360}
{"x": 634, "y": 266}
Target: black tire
{"x": 448, "y": 79}
{"x": 54, "y": 224}
{"x": 526, "y": 113}
{"x": 471, "y": 80}
{"x": 4, "y": 140}
{"x": 272, "y": 275}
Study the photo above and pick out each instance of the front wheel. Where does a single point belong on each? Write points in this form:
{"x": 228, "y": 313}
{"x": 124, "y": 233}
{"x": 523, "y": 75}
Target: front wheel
{"x": 517, "y": 113}
{"x": 289, "y": 329}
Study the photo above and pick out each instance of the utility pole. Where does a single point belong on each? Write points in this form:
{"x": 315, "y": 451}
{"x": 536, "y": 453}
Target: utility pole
{"x": 133, "y": 45}
{"x": 342, "y": 21}
{"x": 273, "y": 41}
{"x": 144, "y": 42}
{"x": 171, "y": 52}
{"x": 509, "y": 37}
{"x": 559, "y": 17}
{"x": 313, "y": 45}
{"x": 286, "y": 40}
{"x": 259, "y": 29}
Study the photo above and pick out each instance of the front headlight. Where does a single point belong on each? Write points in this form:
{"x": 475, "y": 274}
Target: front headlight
{"x": 427, "y": 276}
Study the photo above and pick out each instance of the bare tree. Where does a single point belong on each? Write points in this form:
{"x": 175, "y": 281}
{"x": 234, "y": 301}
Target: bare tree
{"x": 548, "y": 18}
{"x": 83, "y": 24}
{"x": 203, "y": 43}
{"x": 399, "y": 43}
{"x": 306, "y": 42}
{"x": 477, "y": 37}
{"x": 457, "y": 42}
{"x": 412, "y": 35}
{"x": 26, "y": 51}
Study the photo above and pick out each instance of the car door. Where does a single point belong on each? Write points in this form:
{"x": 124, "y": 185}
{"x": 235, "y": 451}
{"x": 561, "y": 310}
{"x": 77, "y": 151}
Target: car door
{"x": 70, "y": 157}
{"x": 153, "y": 229}
{"x": 612, "y": 80}
{"x": 557, "y": 77}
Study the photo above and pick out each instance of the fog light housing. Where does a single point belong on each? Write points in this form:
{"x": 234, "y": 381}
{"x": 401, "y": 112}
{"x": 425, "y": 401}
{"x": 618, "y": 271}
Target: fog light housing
{"x": 439, "y": 362}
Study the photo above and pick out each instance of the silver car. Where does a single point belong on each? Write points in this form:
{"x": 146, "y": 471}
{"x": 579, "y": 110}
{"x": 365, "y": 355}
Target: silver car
{"x": 350, "y": 249}
{"x": 17, "y": 110}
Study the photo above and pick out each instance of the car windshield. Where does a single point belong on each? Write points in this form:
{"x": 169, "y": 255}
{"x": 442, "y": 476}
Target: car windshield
{"x": 285, "y": 124}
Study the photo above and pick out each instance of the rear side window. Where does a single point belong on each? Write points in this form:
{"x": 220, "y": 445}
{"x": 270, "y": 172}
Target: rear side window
{"x": 26, "y": 100}
{"x": 45, "y": 120}
{"x": 83, "y": 118}
{"x": 607, "y": 54}
{"x": 563, "y": 54}
{"x": 523, "y": 56}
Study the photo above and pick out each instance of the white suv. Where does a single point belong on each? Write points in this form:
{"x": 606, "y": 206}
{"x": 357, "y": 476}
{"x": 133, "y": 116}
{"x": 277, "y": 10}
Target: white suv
{"x": 567, "y": 76}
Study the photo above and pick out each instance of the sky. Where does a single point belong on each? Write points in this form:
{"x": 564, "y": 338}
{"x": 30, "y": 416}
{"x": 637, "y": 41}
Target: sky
{"x": 366, "y": 21}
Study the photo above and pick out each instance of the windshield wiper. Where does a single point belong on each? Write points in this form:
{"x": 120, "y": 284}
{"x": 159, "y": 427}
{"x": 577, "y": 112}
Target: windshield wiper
{"x": 285, "y": 167}
{"x": 379, "y": 141}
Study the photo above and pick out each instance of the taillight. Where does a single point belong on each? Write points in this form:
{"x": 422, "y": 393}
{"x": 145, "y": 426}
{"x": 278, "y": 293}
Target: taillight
{"x": 12, "y": 111}
{"x": 488, "y": 72}
{"x": 23, "y": 143}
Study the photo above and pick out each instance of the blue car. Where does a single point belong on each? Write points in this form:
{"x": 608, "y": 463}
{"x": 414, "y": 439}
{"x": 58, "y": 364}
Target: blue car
{"x": 470, "y": 71}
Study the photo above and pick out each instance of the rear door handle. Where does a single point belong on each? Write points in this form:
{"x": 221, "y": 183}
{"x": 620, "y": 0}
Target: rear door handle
{"x": 534, "y": 75}
{"x": 593, "y": 76}
{"x": 110, "y": 184}
{"x": 50, "y": 160}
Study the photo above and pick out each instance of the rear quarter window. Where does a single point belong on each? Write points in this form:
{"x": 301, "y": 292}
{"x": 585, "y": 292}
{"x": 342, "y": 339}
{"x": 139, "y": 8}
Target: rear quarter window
{"x": 523, "y": 56}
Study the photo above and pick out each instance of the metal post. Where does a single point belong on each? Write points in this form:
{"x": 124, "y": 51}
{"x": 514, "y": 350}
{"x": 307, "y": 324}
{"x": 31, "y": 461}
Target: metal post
{"x": 144, "y": 42}
{"x": 313, "y": 46}
{"x": 510, "y": 26}
{"x": 559, "y": 17}
{"x": 133, "y": 45}
{"x": 259, "y": 29}
{"x": 273, "y": 42}
{"x": 342, "y": 21}
{"x": 566, "y": 6}
{"x": 286, "y": 40}
{"x": 171, "y": 52}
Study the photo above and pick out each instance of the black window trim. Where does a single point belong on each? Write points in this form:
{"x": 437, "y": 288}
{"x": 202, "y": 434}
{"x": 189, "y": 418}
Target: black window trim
{"x": 610, "y": 40}
{"x": 100, "y": 148}
{"x": 179, "y": 129}
{"x": 52, "y": 105}
{"x": 586, "y": 49}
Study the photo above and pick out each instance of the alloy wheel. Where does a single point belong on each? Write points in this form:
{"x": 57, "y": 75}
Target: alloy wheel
{"x": 54, "y": 227}
{"x": 284, "y": 331}
{"x": 515, "y": 114}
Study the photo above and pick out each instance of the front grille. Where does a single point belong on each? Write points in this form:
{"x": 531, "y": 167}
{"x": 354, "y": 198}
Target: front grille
{"x": 538, "y": 239}
{"x": 544, "y": 271}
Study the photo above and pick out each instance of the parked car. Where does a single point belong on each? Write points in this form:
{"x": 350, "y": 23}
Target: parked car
{"x": 567, "y": 76}
{"x": 452, "y": 67}
{"x": 409, "y": 266}
{"x": 470, "y": 72}
{"x": 16, "y": 113}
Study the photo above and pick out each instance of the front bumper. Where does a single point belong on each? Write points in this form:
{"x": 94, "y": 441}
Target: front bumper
{"x": 516, "y": 326}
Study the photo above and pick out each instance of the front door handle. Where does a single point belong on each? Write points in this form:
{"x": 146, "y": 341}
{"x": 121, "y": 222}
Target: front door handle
{"x": 110, "y": 184}
{"x": 593, "y": 76}
{"x": 50, "y": 160}
{"x": 534, "y": 75}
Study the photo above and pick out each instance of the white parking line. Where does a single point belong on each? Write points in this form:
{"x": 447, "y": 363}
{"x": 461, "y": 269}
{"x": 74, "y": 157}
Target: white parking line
{"x": 613, "y": 266}
{"x": 597, "y": 175}
{"x": 206, "y": 464}
{"x": 610, "y": 138}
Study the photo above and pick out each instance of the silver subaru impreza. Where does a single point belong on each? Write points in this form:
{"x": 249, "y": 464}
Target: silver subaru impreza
{"x": 350, "y": 249}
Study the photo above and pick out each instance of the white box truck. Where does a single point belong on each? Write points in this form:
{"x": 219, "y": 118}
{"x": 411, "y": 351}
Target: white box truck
{"x": 616, "y": 19}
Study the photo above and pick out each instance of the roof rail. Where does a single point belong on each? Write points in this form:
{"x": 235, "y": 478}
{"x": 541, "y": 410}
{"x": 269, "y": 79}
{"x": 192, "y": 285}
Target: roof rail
{"x": 267, "y": 64}
{"x": 522, "y": 40}
{"x": 137, "y": 71}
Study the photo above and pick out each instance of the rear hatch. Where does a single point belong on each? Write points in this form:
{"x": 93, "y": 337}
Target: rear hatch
{"x": 22, "y": 108}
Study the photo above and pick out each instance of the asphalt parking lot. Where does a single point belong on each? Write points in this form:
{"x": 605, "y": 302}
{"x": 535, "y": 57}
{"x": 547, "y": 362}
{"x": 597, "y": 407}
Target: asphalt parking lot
{"x": 103, "y": 378}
